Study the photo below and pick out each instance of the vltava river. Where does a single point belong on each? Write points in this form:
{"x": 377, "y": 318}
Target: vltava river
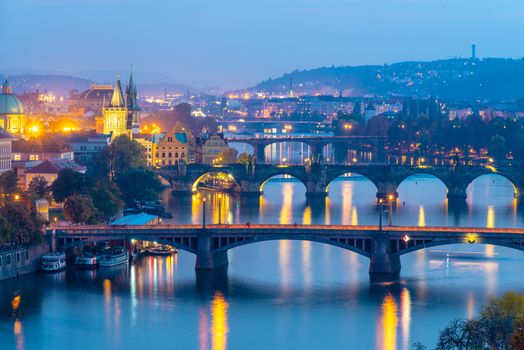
{"x": 284, "y": 294}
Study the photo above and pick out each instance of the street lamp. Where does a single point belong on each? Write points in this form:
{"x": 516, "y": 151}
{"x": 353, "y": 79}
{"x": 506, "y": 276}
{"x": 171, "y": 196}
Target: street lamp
{"x": 380, "y": 203}
{"x": 203, "y": 213}
{"x": 391, "y": 197}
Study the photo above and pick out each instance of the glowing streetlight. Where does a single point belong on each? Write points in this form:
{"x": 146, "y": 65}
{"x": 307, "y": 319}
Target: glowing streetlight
{"x": 17, "y": 197}
{"x": 406, "y": 238}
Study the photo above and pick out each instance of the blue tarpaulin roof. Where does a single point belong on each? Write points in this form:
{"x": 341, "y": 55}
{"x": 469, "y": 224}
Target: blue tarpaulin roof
{"x": 136, "y": 219}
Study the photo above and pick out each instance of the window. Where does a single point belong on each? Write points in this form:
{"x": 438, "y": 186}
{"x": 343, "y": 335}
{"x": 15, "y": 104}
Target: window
{"x": 17, "y": 157}
{"x": 0, "y": 261}
{"x": 27, "y": 254}
{"x": 18, "y": 257}
{"x": 8, "y": 259}
{"x": 176, "y": 155}
{"x": 170, "y": 155}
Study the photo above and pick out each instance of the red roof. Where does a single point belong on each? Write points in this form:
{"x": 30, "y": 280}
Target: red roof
{"x": 46, "y": 167}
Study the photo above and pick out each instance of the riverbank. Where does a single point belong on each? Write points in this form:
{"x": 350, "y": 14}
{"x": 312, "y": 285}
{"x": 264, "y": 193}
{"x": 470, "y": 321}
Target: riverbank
{"x": 20, "y": 260}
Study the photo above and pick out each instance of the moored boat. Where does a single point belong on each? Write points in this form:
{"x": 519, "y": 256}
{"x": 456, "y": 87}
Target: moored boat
{"x": 162, "y": 251}
{"x": 117, "y": 256}
{"x": 53, "y": 262}
{"x": 86, "y": 261}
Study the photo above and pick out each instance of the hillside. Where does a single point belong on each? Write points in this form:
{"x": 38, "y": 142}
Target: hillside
{"x": 455, "y": 79}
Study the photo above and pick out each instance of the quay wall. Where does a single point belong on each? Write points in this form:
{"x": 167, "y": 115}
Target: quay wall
{"x": 18, "y": 261}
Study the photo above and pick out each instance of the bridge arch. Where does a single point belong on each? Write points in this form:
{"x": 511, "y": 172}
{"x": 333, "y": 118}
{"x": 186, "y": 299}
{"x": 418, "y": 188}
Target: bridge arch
{"x": 224, "y": 175}
{"x": 355, "y": 175}
{"x": 404, "y": 180}
{"x": 360, "y": 246}
{"x": 280, "y": 174}
{"x": 498, "y": 176}
{"x": 461, "y": 240}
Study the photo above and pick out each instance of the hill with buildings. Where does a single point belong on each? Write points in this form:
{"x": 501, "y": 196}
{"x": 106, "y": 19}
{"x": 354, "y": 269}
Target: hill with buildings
{"x": 455, "y": 79}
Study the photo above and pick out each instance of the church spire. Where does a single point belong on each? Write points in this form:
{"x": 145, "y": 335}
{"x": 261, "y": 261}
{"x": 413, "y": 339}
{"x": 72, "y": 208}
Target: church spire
{"x": 118, "y": 99}
{"x": 6, "y": 88}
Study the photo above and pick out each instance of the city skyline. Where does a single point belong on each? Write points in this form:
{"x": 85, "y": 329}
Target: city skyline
{"x": 231, "y": 45}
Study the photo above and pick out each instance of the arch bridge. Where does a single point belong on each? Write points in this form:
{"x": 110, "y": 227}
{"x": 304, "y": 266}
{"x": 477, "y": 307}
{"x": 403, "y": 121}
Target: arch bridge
{"x": 317, "y": 177}
{"x": 383, "y": 246}
{"x": 317, "y": 143}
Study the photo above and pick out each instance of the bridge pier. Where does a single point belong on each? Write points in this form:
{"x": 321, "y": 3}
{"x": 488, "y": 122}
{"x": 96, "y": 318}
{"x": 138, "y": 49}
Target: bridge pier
{"x": 258, "y": 151}
{"x": 385, "y": 189}
{"x": 181, "y": 188}
{"x": 457, "y": 191}
{"x": 250, "y": 188}
{"x": 206, "y": 257}
{"x": 384, "y": 266}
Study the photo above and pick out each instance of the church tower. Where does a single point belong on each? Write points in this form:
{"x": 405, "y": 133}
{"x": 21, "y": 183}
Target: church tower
{"x": 115, "y": 114}
{"x": 133, "y": 110}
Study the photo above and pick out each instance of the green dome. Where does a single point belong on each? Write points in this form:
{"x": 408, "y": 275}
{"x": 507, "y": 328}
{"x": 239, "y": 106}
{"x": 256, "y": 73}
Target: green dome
{"x": 9, "y": 103}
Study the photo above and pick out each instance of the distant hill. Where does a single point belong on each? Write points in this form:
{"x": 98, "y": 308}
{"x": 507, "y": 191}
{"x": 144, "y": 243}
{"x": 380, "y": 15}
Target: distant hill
{"x": 456, "y": 79}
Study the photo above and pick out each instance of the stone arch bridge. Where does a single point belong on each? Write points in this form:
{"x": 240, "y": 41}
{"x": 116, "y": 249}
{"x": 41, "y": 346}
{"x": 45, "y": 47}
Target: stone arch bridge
{"x": 316, "y": 178}
{"x": 383, "y": 246}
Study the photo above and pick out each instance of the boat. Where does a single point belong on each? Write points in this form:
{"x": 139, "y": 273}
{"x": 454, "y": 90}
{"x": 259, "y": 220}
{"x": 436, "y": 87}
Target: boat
{"x": 117, "y": 256}
{"x": 86, "y": 261}
{"x": 54, "y": 262}
{"x": 162, "y": 251}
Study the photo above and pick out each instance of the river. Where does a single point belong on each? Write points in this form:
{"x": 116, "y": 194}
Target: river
{"x": 283, "y": 294}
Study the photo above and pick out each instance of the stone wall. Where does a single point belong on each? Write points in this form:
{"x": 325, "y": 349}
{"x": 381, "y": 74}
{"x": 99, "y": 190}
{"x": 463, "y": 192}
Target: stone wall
{"x": 20, "y": 260}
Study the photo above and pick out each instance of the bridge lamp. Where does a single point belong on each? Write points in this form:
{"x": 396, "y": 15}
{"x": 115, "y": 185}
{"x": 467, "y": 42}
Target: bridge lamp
{"x": 471, "y": 238}
{"x": 406, "y": 238}
{"x": 17, "y": 197}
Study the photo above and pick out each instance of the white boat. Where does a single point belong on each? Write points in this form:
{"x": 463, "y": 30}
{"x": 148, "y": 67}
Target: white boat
{"x": 86, "y": 261}
{"x": 117, "y": 256}
{"x": 53, "y": 262}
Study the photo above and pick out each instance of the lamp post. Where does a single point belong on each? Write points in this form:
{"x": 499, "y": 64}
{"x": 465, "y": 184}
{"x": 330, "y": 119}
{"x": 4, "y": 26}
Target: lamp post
{"x": 380, "y": 203}
{"x": 391, "y": 197}
{"x": 220, "y": 208}
{"x": 203, "y": 213}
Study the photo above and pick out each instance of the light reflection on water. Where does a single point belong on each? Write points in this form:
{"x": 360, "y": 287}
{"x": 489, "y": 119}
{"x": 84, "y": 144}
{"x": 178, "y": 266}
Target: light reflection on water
{"x": 278, "y": 294}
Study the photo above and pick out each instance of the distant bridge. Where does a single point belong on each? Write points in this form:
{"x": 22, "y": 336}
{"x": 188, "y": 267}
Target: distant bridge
{"x": 316, "y": 178}
{"x": 376, "y": 144}
{"x": 210, "y": 244}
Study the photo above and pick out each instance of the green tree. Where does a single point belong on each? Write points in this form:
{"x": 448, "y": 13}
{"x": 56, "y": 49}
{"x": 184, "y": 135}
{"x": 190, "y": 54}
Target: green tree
{"x": 244, "y": 158}
{"x": 106, "y": 198}
{"x": 7, "y": 231}
{"x": 80, "y": 209}
{"x": 228, "y": 156}
{"x": 497, "y": 148}
{"x": 460, "y": 335}
{"x": 24, "y": 220}
{"x": 139, "y": 185}
{"x": 68, "y": 183}
{"x": 38, "y": 188}
{"x": 121, "y": 156}
{"x": 9, "y": 182}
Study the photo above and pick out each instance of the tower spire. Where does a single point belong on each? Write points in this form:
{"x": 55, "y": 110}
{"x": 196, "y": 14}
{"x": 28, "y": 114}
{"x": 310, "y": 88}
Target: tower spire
{"x": 118, "y": 99}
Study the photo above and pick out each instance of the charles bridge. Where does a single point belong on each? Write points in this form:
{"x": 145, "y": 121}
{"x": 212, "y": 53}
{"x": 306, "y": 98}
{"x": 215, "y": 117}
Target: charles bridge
{"x": 249, "y": 179}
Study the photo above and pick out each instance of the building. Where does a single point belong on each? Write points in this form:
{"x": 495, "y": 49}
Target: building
{"x": 5, "y": 151}
{"x": 42, "y": 148}
{"x": 210, "y": 148}
{"x": 170, "y": 149}
{"x": 90, "y": 100}
{"x": 133, "y": 110}
{"x": 47, "y": 169}
{"x": 115, "y": 114}
{"x": 370, "y": 112}
{"x": 12, "y": 114}
{"x": 146, "y": 141}
{"x": 86, "y": 145}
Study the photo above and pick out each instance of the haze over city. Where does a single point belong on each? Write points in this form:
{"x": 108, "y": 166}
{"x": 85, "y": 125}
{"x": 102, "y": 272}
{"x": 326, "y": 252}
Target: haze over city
{"x": 234, "y": 44}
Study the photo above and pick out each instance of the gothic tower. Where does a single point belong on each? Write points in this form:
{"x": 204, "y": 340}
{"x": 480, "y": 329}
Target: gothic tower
{"x": 115, "y": 114}
{"x": 133, "y": 110}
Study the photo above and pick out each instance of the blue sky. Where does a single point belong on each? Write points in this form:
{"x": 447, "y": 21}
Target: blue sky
{"x": 235, "y": 43}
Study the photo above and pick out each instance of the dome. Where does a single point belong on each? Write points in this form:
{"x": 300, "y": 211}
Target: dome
{"x": 9, "y": 103}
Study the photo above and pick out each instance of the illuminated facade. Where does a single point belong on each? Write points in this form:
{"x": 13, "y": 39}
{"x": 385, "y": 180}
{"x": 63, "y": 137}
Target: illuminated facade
{"x": 114, "y": 115}
{"x": 12, "y": 114}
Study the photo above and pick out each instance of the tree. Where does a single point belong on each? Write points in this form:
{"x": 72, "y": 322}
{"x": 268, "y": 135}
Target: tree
{"x": 228, "y": 156}
{"x": 9, "y": 182}
{"x": 497, "y": 148}
{"x": 7, "y": 231}
{"x": 139, "y": 185}
{"x": 68, "y": 183}
{"x": 122, "y": 155}
{"x": 38, "y": 187}
{"x": 80, "y": 209}
{"x": 460, "y": 335}
{"x": 24, "y": 220}
{"x": 244, "y": 158}
{"x": 106, "y": 198}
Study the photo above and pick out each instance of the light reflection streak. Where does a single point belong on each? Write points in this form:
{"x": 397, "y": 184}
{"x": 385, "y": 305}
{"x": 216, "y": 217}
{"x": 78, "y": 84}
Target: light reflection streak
{"x": 219, "y": 325}
{"x": 284, "y": 257}
{"x": 286, "y": 212}
{"x": 203, "y": 326}
{"x": 354, "y": 216}
{"x": 388, "y": 322}
{"x": 306, "y": 217}
{"x": 405, "y": 317}
{"x": 471, "y": 306}
{"x": 347, "y": 195}
{"x": 490, "y": 217}
{"x": 306, "y": 264}
{"x": 19, "y": 334}
{"x": 421, "y": 216}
